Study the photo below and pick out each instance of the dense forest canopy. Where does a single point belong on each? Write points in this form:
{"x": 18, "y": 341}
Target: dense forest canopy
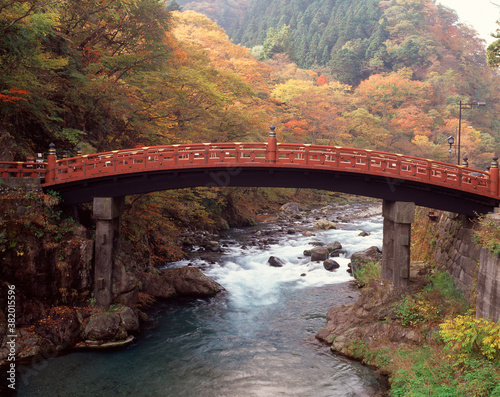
{"x": 107, "y": 74}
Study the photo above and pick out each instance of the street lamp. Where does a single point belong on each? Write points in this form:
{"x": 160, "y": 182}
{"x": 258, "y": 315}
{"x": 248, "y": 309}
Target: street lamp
{"x": 464, "y": 106}
{"x": 451, "y": 141}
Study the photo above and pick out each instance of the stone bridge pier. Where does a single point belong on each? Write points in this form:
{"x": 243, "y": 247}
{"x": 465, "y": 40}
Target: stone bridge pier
{"x": 107, "y": 212}
{"x": 398, "y": 217}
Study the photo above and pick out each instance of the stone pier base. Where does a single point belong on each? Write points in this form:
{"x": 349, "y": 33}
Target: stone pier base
{"x": 398, "y": 217}
{"x": 107, "y": 212}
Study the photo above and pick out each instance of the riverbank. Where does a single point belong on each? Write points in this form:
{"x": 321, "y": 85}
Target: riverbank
{"x": 425, "y": 337}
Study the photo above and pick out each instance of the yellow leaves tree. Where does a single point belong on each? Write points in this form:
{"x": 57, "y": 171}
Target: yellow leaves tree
{"x": 313, "y": 112}
{"x": 367, "y": 130}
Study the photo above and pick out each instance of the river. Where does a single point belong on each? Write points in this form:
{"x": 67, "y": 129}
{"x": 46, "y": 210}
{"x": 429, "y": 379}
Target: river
{"x": 255, "y": 339}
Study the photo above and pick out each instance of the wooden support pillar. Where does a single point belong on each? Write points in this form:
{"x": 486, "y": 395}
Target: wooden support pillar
{"x": 107, "y": 212}
{"x": 398, "y": 217}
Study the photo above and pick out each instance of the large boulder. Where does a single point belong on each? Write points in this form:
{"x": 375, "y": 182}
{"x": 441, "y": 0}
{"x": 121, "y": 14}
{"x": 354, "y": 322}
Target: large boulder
{"x": 361, "y": 321}
{"x": 325, "y": 224}
{"x": 290, "y": 208}
{"x": 191, "y": 282}
{"x": 103, "y": 326}
{"x": 275, "y": 262}
{"x": 187, "y": 281}
{"x": 129, "y": 320}
{"x": 358, "y": 259}
{"x": 319, "y": 254}
{"x": 155, "y": 285}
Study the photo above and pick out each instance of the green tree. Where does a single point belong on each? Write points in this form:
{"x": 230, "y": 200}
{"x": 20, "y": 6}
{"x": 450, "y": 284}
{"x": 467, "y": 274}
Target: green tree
{"x": 174, "y": 6}
{"x": 278, "y": 41}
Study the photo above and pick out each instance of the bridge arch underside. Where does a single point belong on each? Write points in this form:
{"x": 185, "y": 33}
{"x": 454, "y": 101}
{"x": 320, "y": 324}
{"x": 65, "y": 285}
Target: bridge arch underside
{"x": 391, "y": 189}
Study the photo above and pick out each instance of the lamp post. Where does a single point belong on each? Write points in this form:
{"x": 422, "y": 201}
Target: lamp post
{"x": 464, "y": 106}
{"x": 451, "y": 141}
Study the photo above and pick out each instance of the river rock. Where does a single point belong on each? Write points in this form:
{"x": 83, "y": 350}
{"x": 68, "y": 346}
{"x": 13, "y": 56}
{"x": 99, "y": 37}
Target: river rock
{"x": 212, "y": 246}
{"x": 333, "y": 247}
{"x": 330, "y": 265}
{"x": 337, "y": 253}
{"x": 364, "y": 234}
{"x": 307, "y": 252}
{"x": 155, "y": 285}
{"x": 129, "y": 320}
{"x": 325, "y": 224}
{"x": 275, "y": 262}
{"x": 290, "y": 208}
{"x": 319, "y": 254}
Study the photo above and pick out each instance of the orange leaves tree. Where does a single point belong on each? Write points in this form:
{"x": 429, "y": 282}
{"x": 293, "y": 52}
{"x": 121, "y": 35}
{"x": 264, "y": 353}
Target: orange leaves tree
{"x": 220, "y": 91}
{"x": 312, "y": 113}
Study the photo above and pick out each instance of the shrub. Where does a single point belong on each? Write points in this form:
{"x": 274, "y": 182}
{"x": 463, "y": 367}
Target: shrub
{"x": 414, "y": 310}
{"x": 367, "y": 271}
{"x": 468, "y": 338}
{"x": 488, "y": 235}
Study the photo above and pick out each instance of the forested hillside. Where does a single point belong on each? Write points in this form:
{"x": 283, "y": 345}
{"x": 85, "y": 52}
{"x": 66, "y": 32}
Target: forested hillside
{"x": 110, "y": 74}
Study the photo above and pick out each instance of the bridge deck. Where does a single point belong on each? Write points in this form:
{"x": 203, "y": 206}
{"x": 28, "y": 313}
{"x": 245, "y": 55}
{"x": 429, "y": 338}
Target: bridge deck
{"x": 73, "y": 173}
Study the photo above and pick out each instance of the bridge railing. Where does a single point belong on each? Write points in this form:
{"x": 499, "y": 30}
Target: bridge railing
{"x": 388, "y": 165}
{"x": 27, "y": 169}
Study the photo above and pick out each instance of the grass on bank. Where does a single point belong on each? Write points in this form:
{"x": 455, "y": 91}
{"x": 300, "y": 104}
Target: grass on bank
{"x": 460, "y": 355}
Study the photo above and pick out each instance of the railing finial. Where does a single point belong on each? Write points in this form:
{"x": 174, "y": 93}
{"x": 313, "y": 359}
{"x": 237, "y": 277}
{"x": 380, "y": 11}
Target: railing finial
{"x": 494, "y": 162}
{"x": 465, "y": 161}
{"x": 272, "y": 132}
{"x": 78, "y": 150}
{"x": 51, "y": 164}
{"x": 272, "y": 145}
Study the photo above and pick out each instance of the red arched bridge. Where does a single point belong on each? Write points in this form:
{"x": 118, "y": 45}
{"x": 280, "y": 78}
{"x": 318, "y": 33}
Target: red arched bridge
{"x": 387, "y": 176}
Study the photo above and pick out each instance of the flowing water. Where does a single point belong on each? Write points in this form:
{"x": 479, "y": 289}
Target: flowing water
{"x": 256, "y": 339}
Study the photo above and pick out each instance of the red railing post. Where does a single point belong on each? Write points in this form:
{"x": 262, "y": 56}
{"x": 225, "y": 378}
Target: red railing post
{"x": 50, "y": 175}
{"x": 494, "y": 176}
{"x": 272, "y": 145}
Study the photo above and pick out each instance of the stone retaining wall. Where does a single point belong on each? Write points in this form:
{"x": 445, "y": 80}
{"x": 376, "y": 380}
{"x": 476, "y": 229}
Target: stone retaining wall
{"x": 475, "y": 270}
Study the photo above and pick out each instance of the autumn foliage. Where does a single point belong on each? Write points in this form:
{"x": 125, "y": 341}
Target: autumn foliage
{"x": 109, "y": 74}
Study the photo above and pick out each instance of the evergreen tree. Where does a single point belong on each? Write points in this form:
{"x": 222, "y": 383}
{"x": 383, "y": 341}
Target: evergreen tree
{"x": 174, "y": 6}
